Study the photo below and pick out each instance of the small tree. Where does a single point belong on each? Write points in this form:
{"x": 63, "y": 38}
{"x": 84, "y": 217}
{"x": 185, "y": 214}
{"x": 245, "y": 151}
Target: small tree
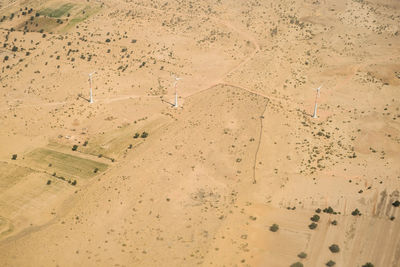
{"x": 136, "y": 135}
{"x": 334, "y": 248}
{"x": 330, "y": 263}
{"x": 74, "y": 147}
{"x": 302, "y": 255}
{"x": 274, "y": 227}
{"x": 74, "y": 182}
{"x": 14, "y": 156}
{"x": 356, "y": 212}
{"x": 313, "y": 225}
{"x": 48, "y": 182}
{"x": 315, "y": 218}
{"x": 144, "y": 135}
{"x": 297, "y": 264}
{"x": 368, "y": 264}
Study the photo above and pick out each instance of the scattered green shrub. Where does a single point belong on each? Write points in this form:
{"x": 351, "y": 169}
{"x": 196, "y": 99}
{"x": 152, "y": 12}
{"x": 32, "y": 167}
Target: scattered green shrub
{"x": 302, "y": 255}
{"x": 313, "y": 225}
{"x": 274, "y": 227}
{"x": 334, "y": 248}
{"x": 330, "y": 263}
{"x": 74, "y": 147}
{"x": 315, "y": 218}
{"x": 368, "y": 264}
{"x": 14, "y": 156}
{"x": 144, "y": 135}
{"x": 297, "y": 264}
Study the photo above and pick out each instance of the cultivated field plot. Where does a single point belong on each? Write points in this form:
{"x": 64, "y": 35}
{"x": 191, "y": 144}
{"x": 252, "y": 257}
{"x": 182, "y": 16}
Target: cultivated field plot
{"x": 11, "y": 174}
{"x": 63, "y": 164}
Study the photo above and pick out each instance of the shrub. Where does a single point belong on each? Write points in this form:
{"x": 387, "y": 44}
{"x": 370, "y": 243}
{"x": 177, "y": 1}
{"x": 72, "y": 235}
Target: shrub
{"x": 74, "y": 182}
{"x": 96, "y": 170}
{"x": 334, "y": 248}
{"x": 85, "y": 143}
{"x": 297, "y": 264}
{"x": 136, "y": 135}
{"x": 396, "y": 203}
{"x": 356, "y": 212}
{"x": 334, "y": 222}
{"x": 302, "y": 255}
{"x": 313, "y": 225}
{"x": 330, "y": 263}
{"x": 108, "y": 40}
{"x": 48, "y": 182}
{"x": 274, "y": 227}
{"x": 318, "y": 210}
{"x": 74, "y": 148}
{"x": 14, "y": 49}
{"x": 368, "y": 264}
{"x": 14, "y": 156}
{"x": 328, "y": 210}
{"x": 144, "y": 135}
{"x": 315, "y": 218}
{"x": 6, "y": 58}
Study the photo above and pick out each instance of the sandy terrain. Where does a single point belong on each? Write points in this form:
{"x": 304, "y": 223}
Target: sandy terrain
{"x": 240, "y": 174}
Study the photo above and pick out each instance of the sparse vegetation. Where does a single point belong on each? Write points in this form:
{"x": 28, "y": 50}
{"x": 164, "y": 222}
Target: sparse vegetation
{"x": 356, "y": 212}
{"x": 330, "y": 263}
{"x": 368, "y": 264}
{"x": 312, "y": 226}
{"x": 334, "y": 248}
{"x": 297, "y": 264}
{"x": 315, "y": 218}
{"x": 74, "y": 147}
{"x": 274, "y": 228}
{"x": 302, "y": 255}
{"x": 14, "y": 156}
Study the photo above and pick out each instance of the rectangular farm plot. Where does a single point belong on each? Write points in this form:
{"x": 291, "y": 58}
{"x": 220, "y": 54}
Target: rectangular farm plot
{"x": 11, "y": 174}
{"x": 63, "y": 164}
{"x": 57, "y": 12}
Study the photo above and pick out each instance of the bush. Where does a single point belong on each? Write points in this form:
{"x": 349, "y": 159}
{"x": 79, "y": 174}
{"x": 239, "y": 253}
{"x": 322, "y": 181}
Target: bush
{"x": 297, "y": 264}
{"x": 315, "y": 218}
{"x": 74, "y": 182}
{"x": 136, "y": 135}
{"x": 302, "y": 255}
{"x": 334, "y": 248}
{"x": 74, "y": 148}
{"x": 312, "y": 226}
{"x": 396, "y": 203}
{"x": 318, "y": 210}
{"x": 356, "y": 212}
{"x": 48, "y": 182}
{"x": 330, "y": 263}
{"x": 334, "y": 222}
{"x": 368, "y": 264}
{"x": 85, "y": 143}
{"x": 14, "y": 156}
{"x": 328, "y": 210}
{"x": 108, "y": 40}
{"x": 6, "y": 58}
{"x": 96, "y": 170}
{"x": 274, "y": 227}
{"x": 14, "y": 49}
{"x": 144, "y": 135}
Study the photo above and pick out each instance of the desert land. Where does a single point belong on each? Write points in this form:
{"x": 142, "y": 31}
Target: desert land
{"x": 237, "y": 172}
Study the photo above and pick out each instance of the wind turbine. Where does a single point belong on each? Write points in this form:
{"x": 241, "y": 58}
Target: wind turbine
{"x": 316, "y": 104}
{"x": 90, "y": 82}
{"x": 176, "y": 93}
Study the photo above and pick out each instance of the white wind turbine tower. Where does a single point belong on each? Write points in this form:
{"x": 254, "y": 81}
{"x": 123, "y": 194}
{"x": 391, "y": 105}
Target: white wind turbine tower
{"x": 316, "y": 104}
{"x": 176, "y": 93}
{"x": 90, "y": 82}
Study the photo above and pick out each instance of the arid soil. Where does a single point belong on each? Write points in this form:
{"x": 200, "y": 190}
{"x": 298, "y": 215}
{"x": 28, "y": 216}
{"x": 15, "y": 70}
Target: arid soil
{"x": 240, "y": 173}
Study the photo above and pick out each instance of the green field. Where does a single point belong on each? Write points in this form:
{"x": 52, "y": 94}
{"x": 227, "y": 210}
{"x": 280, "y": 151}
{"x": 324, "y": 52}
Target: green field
{"x": 58, "y": 12}
{"x": 66, "y": 165}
